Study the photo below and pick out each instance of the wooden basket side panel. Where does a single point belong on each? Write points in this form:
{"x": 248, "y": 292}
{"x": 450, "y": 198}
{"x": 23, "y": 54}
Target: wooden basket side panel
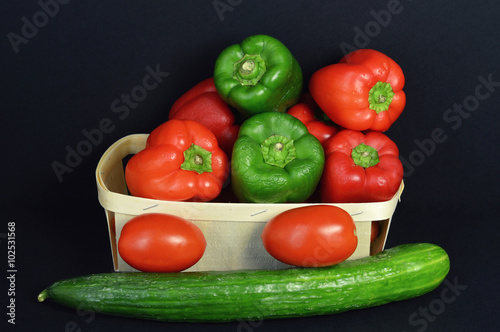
{"x": 237, "y": 246}
{"x": 110, "y": 175}
{"x": 363, "y": 231}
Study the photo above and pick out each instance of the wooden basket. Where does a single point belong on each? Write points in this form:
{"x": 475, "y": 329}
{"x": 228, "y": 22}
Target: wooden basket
{"x": 232, "y": 230}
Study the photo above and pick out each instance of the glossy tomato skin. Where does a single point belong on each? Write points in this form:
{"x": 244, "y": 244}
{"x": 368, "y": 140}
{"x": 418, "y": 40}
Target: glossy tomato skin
{"x": 312, "y": 236}
{"x": 156, "y": 242}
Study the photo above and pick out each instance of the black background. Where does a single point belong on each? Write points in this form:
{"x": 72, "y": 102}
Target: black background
{"x": 63, "y": 79}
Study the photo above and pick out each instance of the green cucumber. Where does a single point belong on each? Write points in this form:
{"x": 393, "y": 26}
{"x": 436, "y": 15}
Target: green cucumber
{"x": 396, "y": 274}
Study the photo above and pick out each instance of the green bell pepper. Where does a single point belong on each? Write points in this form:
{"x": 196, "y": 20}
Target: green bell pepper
{"x": 275, "y": 160}
{"x": 258, "y": 75}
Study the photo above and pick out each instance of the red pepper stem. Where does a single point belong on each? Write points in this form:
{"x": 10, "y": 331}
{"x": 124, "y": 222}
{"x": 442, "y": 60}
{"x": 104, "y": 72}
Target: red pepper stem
{"x": 380, "y": 96}
{"x": 365, "y": 156}
{"x": 197, "y": 159}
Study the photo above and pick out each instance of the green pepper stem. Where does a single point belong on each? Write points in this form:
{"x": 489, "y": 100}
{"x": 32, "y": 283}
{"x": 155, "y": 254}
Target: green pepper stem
{"x": 249, "y": 69}
{"x": 278, "y": 147}
{"x": 278, "y": 150}
{"x": 380, "y": 96}
{"x": 197, "y": 159}
{"x": 365, "y": 155}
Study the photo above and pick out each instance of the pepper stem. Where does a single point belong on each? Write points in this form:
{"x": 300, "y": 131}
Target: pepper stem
{"x": 365, "y": 155}
{"x": 278, "y": 150}
{"x": 197, "y": 159}
{"x": 249, "y": 69}
{"x": 380, "y": 96}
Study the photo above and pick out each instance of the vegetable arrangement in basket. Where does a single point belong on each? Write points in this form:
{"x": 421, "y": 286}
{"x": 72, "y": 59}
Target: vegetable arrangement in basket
{"x": 278, "y": 153}
{"x": 325, "y": 146}
{"x": 291, "y": 146}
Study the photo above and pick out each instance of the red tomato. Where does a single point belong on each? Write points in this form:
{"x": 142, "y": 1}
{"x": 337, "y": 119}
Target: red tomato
{"x": 312, "y": 236}
{"x": 156, "y": 242}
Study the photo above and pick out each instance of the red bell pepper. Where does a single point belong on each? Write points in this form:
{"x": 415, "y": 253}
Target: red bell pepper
{"x": 317, "y": 127}
{"x": 360, "y": 168}
{"x": 181, "y": 162}
{"x": 203, "y": 104}
{"x": 364, "y": 91}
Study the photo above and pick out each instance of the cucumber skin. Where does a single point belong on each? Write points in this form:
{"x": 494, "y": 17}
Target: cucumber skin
{"x": 395, "y": 274}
